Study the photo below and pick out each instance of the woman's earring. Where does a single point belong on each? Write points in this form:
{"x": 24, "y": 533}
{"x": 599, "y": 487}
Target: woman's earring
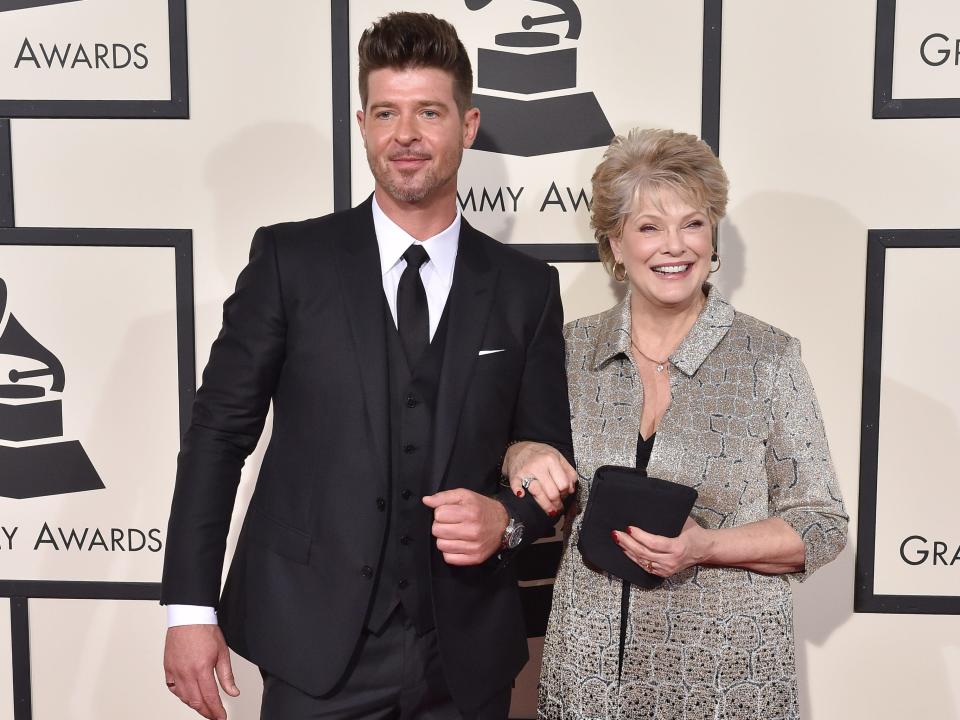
{"x": 714, "y": 259}
{"x": 619, "y": 271}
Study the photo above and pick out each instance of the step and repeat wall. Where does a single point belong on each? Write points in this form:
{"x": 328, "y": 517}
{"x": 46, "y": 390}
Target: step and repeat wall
{"x": 141, "y": 144}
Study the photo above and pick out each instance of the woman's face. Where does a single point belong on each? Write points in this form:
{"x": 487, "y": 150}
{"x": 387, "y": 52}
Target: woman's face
{"x": 665, "y": 251}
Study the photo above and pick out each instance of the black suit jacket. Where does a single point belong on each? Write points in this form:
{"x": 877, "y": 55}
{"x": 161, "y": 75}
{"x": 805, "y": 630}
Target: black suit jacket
{"x": 305, "y": 330}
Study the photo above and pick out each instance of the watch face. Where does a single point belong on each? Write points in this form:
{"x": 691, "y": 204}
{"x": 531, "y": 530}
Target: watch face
{"x": 516, "y": 536}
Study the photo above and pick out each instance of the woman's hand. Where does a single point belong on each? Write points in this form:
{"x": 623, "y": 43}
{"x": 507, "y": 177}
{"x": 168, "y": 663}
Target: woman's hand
{"x": 665, "y": 556}
{"x": 542, "y": 471}
{"x": 768, "y": 546}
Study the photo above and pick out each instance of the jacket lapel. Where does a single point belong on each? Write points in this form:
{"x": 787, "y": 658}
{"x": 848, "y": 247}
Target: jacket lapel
{"x": 468, "y": 308}
{"x": 358, "y": 258}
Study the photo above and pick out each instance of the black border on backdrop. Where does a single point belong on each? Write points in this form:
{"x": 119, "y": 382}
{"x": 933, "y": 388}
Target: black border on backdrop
{"x": 6, "y": 176}
{"x": 550, "y": 252}
{"x": 177, "y": 107}
{"x": 864, "y": 598}
{"x": 20, "y": 661}
{"x": 182, "y": 243}
{"x": 885, "y": 106}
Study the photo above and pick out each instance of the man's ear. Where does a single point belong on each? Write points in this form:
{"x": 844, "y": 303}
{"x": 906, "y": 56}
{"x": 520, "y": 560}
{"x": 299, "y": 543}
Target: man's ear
{"x": 363, "y": 132}
{"x": 471, "y": 125}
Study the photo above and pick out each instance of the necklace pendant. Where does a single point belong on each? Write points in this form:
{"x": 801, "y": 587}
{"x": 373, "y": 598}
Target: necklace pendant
{"x": 659, "y": 367}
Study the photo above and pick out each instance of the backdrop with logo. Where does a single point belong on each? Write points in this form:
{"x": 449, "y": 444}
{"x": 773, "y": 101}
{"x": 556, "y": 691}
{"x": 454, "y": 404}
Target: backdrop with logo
{"x": 93, "y": 58}
{"x": 918, "y": 51}
{"x": 96, "y": 341}
{"x": 908, "y": 552}
{"x": 147, "y": 141}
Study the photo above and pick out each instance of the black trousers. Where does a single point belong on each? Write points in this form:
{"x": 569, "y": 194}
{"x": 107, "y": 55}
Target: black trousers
{"x": 394, "y": 675}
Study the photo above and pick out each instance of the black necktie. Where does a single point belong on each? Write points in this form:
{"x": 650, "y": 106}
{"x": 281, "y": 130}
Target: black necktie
{"x": 413, "y": 314}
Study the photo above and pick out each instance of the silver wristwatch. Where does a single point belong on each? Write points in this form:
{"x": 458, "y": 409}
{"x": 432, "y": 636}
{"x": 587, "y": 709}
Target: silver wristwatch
{"x": 512, "y": 535}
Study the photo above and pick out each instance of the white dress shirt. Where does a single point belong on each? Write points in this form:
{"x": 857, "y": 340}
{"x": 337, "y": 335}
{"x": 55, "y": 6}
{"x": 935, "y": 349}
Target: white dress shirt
{"x": 436, "y": 273}
{"x": 437, "y": 277}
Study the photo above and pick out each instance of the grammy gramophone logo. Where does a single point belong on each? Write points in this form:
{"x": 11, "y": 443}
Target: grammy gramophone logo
{"x": 531, "y": 63}
{"x": 6, "y": 5}
{"x": 35, "y": 459}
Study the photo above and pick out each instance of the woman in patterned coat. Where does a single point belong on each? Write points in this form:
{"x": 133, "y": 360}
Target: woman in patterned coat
{"x": 709, "y": 397}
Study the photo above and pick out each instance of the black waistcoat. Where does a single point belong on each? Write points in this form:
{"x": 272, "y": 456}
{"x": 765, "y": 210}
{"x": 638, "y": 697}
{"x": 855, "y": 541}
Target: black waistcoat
{"x": 405, "y": 564}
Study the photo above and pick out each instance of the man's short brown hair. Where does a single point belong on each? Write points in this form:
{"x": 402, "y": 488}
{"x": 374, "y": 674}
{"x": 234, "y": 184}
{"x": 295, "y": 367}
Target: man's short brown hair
{"x": 403, "y": 40}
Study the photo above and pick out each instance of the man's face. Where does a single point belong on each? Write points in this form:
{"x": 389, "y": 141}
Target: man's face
{"x": 414, "y": 133}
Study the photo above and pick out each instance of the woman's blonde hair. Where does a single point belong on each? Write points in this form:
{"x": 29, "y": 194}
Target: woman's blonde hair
{"x": 641, "y": 164}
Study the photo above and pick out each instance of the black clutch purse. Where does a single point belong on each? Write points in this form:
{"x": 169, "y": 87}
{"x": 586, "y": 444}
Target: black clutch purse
{"x": 622, "y": 496}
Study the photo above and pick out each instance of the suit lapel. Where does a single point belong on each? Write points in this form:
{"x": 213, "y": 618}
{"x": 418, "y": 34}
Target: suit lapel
{"x": 358, "y": 258}
{"x": 468, "y": 308}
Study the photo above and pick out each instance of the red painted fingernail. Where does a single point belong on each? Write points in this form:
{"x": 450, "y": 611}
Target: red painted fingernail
{"x": 519, "y": 493}
{"x": 553, "y": 513}
{"x": 613, "y": 534}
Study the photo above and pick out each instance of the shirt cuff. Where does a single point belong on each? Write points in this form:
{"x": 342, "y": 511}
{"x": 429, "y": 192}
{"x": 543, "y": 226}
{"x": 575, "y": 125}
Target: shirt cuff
{"x": 190, "y": 615}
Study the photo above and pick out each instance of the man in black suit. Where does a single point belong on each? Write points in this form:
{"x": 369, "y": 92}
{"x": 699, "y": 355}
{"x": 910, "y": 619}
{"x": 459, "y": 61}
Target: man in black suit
{"x": 403, "y": 352}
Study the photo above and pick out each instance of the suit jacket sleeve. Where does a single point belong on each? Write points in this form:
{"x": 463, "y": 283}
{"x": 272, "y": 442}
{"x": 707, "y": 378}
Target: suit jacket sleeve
{"x": 228, "y": 417}
{"x": 543, "y": 410}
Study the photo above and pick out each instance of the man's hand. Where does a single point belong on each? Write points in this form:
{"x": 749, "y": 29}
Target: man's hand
{"x": 549, "y": 477}
{"x": 468, "y": 526}
{"x": 190, "y": 657}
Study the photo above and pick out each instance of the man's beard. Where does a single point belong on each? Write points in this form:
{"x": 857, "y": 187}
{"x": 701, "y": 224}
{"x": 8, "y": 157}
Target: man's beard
{"x": 395, "y": 186}
{"x": 407, "y": 193}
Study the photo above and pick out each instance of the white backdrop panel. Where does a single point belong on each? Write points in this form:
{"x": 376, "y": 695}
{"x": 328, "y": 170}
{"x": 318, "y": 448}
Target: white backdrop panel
{"x": 586, "y": 289}
{"x": 926, "y": 49}
{"x": 109, "y": 315}
{"x": 917, "y": 477}
{"x": 97, "y": 659}
{"x": 90, "y": 50}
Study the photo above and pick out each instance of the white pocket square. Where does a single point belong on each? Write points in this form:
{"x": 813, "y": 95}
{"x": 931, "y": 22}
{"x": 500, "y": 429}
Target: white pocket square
{"x": 490, "y": 352}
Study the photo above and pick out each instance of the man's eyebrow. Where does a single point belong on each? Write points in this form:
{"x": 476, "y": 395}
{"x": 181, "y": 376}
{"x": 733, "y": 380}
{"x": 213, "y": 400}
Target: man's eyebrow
{"x": 424, "y": 102}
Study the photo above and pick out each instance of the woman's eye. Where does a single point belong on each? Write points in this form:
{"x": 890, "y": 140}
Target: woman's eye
{"x": 696, "y": 224}
{"x": 648, "y": 228}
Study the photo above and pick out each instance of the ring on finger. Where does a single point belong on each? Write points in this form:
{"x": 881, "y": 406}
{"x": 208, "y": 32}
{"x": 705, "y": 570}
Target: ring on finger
{"x": 526, "y": 480}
